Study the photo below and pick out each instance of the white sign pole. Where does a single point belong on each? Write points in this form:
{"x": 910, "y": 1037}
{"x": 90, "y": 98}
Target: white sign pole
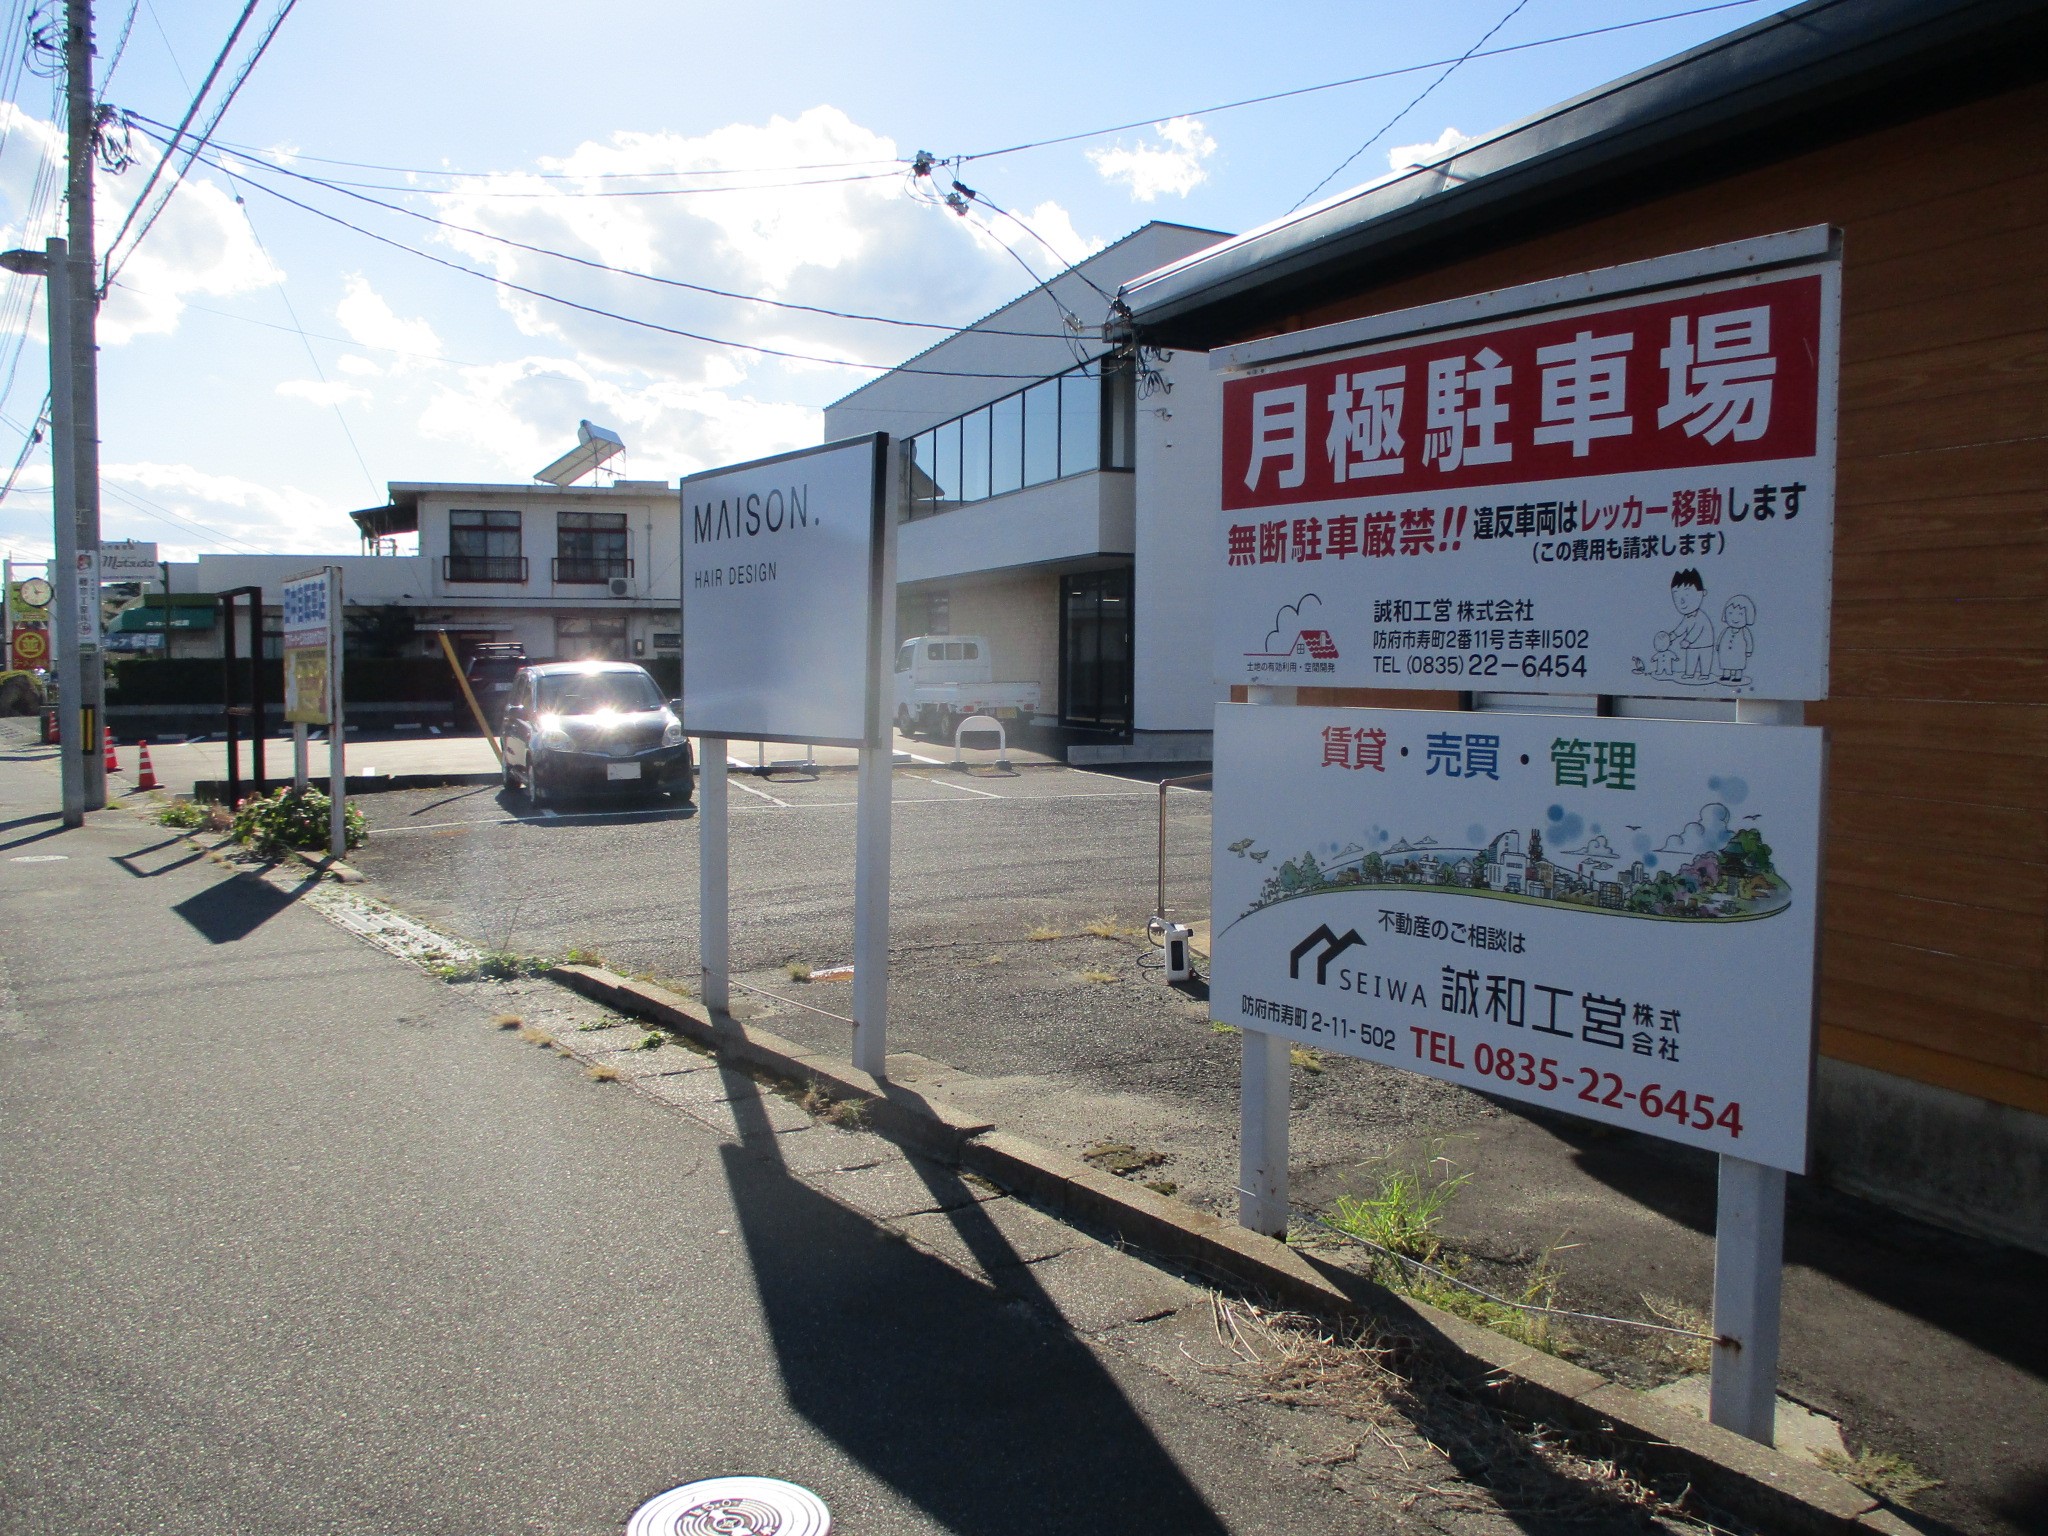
{"x": 1749, "y": 1268}
{"x": 877, "y": 790}
{"x": 1749, "y": 1249}
{"x": 714, "y": 930}
{"x": 299, "y": 773}
{"x": 1265, "y": 1091}
{"x": 337, "y": 739}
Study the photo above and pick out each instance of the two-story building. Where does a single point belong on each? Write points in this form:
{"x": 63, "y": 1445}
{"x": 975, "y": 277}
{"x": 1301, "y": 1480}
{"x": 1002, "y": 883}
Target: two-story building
{"x": 572, "y": 572}
{"x": 1050, "y": 505}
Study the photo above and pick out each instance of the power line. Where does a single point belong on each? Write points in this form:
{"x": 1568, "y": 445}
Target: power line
{"x": 185, "y": 122}
{"x": 1420, "y": 96}
{"x": 109, "y": 267}
{"x": 34, "y": 436}
{"x": 604, "y": 266}
{"x": 896, "y": 162}
{"x": 1332, "y": 85}
{"x": 607, "y": 314}
{"x": 753, "y": 186}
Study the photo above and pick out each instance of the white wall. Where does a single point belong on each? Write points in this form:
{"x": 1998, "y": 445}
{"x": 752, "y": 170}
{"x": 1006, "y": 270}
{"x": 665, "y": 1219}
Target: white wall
{"x": 1179, "y": 496}
{"x": 654, "y": 526}
{"x": 1068, "y": 519}
{"x": 364, "y": 578}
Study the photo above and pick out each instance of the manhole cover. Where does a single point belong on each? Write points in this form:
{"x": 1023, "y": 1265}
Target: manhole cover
{"x": 732, "y": 1506}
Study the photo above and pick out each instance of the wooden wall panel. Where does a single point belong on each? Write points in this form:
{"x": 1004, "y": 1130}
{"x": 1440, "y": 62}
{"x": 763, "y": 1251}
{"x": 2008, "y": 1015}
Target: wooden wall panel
{"x": 1935, "y": 958}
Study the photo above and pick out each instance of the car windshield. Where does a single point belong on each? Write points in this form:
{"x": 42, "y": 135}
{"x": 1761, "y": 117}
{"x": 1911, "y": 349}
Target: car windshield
{"x": 585, "y": 693}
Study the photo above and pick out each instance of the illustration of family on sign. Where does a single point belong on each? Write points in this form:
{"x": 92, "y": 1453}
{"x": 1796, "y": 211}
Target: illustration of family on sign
{"x": 1693, "y": 652}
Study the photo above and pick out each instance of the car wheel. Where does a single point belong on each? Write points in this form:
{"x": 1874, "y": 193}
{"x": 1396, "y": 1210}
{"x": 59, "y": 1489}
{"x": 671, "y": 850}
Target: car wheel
{"x": 505, "y": 767}
{"x": 536, "y": 794}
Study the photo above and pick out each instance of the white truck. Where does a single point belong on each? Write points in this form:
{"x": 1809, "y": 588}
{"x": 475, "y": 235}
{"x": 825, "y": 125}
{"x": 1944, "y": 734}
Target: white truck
{"x": 942, "y": 679}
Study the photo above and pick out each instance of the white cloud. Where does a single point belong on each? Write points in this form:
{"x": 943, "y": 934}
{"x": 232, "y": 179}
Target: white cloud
{"x": 322, "y": 391}
{"x": 371, "y": 322}
{"x": 200, "y": 244}
{"x": 1407, "y": 156}
{"x": 229, "y": 512}
{"x": 1707, "y": 835}
{"x": 1171, "y": 162}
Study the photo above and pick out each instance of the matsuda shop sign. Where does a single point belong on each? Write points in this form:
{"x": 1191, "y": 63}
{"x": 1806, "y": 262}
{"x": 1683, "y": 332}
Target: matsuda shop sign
{"x": 1634, "y": 496}
{"x": 1613, "y": 917}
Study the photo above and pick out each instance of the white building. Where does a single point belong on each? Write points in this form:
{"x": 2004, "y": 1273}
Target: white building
{"x": 1060, "y": 503}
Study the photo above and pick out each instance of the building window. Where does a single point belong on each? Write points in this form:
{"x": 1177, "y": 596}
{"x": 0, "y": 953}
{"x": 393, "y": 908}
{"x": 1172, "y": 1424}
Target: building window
{"x": 483, "y": 546}
{"x": 590, "y": 546}
{"x": 590, "y": 637}
{"x": 1074, "y": 423}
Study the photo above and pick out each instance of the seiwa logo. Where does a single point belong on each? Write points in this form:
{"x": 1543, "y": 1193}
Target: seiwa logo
{"x": 1332, "y": 944}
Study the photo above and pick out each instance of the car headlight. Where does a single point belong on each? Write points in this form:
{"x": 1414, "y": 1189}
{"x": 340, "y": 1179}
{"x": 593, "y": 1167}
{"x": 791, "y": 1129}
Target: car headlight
{"x": 672, "y": 734}
{"x": 555, "y": 740}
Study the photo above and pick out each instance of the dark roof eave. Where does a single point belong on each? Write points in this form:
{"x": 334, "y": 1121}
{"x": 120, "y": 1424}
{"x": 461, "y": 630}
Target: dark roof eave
{"x": 1799, "y": 64}
{"x": 386, "y": 521}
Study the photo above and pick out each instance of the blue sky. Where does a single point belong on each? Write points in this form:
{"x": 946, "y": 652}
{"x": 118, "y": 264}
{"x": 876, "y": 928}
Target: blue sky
{"x": 223, "y": 430}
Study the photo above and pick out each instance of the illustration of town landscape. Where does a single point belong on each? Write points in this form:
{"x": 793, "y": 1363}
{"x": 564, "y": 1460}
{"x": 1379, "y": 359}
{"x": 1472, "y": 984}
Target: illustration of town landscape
{"x": 1714, "y": 869}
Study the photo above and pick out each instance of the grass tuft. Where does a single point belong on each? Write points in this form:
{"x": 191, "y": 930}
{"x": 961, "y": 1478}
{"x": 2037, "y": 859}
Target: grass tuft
{"x": 797, "y": 970}
{"x": 1304, "y": 1058}
{"x": 494, "y": 965}
{"x": 1110, "y": 928}
{"x": 183, "y": 815}
{"x": 846, "y": 1114}
{"x": 1100, "y": 977}
{"x": 507, "y": 1021}
{"x": 580, "y": 956}
{"x": 1881, "y": 1475}
{"x": 603, "y": 1074}
{"x": 1162, "y": 1186}
{"x": 1043, "y": 933}
{"x": 534, "y": 1036}
{"x": 1218, "y": 1027}
{"x": 1690, "y": 1355}
{"x": 1121, "y": 1158}
{"x": 1402, "y": 1214}
{"x": 653, "y": 1040}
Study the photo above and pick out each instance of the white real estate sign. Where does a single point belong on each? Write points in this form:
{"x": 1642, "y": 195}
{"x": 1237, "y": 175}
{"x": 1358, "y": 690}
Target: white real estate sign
{"x": 781, "y": 565}
{"x": 1613, "y": 917}
{"x": 1633, "y": 495}
{"x": 311, "y": 638}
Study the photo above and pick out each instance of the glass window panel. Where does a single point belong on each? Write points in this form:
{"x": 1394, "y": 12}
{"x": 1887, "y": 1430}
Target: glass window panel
{"x": 1080, "y": 422}
{"x": 924, "y": 486}
{"x": 974, "y": 456}
{"x": 1006, "y": 445}
{"x": 947, "y": 467}
{"x": 952, "y": 650}
{"x": 971, "y": 651}
{"x": 1042, "y": 432}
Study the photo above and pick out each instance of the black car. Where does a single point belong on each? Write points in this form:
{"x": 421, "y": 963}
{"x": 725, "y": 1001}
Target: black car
{"x": 492, "y": 666}
{"x": 593, "y": 727}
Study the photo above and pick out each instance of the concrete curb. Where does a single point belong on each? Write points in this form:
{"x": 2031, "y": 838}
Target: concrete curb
{"x": 1741, "y": 1477}
{"x": 355, "y": 784}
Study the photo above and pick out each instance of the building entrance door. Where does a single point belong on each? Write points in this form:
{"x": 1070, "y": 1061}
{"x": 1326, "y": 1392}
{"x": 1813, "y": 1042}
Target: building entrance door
{"x": 1095, "y": 650}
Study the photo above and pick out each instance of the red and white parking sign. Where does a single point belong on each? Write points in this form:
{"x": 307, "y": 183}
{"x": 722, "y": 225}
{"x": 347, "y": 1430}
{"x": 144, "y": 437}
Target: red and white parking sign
{"x": 1634, "y": 495}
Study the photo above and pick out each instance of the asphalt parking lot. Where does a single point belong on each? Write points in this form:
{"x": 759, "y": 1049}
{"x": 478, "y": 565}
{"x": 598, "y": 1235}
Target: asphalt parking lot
{"x": 1018, "y": 954}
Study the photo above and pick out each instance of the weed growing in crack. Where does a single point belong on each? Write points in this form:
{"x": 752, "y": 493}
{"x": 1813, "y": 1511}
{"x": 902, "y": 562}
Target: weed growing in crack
{"x": 1301, "y": 1056}
{"x": 1100, "y": 977}
{"x": 1880, "y": 1474}
{"x": 846, "y": 1114}
{"x": 603, "y": 1074}
{"x": 1121, "y": 1158}
{"x": 507, "y": 1021}
{"x": 797, "y": 970}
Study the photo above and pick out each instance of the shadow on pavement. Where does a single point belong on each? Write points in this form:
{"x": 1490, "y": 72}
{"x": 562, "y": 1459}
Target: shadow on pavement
{"x": 1981, "y": 1292}
{"x": 127, "y": 861}
{"x": 32, "y": 837}
{"x": 23, "y": 821}
{"x": 984, "y": 1415}
{"x": 236, "y": 907}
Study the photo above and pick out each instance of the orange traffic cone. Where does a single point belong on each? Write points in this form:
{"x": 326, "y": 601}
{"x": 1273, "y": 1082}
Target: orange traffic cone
{"x": 113, "y": 762}
{"x": 145, "y": 774}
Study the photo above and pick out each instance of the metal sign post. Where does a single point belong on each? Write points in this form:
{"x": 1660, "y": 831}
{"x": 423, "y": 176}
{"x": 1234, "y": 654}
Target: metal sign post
{"x": 1265, "y": 1090}
{"x": 876, "y": 794}
{"x": 714, "y": 863}
{"x": 788, "y": 622}
{"x": 73, "y": 716}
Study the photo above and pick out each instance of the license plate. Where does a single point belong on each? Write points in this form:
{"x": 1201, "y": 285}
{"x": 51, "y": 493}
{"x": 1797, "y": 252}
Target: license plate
{"x": 622, "y": 770}
{"x": 1006, "y": 714}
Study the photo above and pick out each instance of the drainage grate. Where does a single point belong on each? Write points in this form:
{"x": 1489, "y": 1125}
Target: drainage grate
{"x": 732, "y": 1506}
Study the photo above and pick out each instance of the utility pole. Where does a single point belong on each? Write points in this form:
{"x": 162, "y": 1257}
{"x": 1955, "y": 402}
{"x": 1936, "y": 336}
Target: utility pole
{"x": 88, "y": 705}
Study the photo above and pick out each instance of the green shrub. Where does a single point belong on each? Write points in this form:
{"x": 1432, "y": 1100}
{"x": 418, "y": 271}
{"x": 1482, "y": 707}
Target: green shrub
{"x": 182, "y": 814}
{"x": 293, "y": 818}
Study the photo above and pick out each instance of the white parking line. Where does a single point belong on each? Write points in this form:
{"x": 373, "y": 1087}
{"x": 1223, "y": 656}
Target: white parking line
{"x": 736, "y": 784}
{"x": 949, "y": 784}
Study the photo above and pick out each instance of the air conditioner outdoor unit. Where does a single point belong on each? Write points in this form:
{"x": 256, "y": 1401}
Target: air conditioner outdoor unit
{"x": 622, "y": 586}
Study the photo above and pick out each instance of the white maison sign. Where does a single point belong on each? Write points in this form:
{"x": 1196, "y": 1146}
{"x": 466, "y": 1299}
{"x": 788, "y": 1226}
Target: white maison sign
{"x": 781, "y": 566}
{"x": 1613, "y": 917}
{"x": 1633, "y": 495}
